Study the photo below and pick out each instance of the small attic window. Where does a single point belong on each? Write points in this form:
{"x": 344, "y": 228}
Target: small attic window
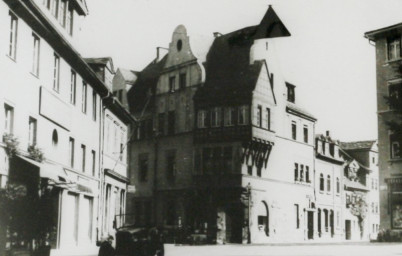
{"x": 291, "y": 92}
{"x": 179, "y": 45}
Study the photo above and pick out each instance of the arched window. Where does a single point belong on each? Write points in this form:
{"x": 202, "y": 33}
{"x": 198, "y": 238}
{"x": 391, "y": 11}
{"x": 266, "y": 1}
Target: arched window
{"x": 55, "y": 138}
{"x": 328, "y": 183}
{"x": 263, "y": 218}
{"x": 321, "y": 182}
{"x": 338, "y": 186}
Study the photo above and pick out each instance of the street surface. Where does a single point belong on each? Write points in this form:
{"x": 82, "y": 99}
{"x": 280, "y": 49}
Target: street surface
{"x": 344, "y": 249}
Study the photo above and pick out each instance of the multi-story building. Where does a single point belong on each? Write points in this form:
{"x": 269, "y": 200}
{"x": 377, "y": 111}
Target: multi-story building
{"x": 122, "y": 83}
{"x": 53, "y": 104}
{"x": 329, "y": 169}
{"x": 387, "y": 43}
{"x": 365, "y": 164}
{"x": 220, "y": 136}
{"x": 114, "y": 163}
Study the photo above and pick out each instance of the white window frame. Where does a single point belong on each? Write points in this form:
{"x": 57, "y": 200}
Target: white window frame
{"x": 32, "y": 131}
{"x": 216, "y": 117}
{"x": 8, "y": 119}
{"x": 56, "y": 73}
{"x": 202, "y": 115}
{"x": 12, "y": 52}
{"x": 243, "y": 116}
{"x": 35, "y": 55}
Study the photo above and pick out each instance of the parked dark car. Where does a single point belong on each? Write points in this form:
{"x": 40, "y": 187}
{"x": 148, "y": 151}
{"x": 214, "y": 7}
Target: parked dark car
{"x": 132, "y": 241}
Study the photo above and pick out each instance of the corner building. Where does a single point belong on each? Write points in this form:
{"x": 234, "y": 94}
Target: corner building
{"x": 52, "y": 103}
{"x": 220, "y": 140}
{"x": 387, "y": 42}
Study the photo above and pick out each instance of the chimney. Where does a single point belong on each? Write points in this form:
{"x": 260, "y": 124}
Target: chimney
{"x": 158, "y": 53}
{"x": 328, "y": 133}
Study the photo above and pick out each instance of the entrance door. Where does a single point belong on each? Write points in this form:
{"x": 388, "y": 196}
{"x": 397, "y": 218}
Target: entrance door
{"x": 347, "y": 229}
{"x": 310, "y": 225}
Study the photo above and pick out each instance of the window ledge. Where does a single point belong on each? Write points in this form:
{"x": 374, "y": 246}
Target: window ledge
{"x": 395, "y": 160}
{"x": 11, "y": 58}
{"x": 393, "y": 61}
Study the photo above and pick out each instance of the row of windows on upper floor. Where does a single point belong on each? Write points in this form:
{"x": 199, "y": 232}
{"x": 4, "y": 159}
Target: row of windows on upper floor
{"x": 63, "y": 11}
{"x": 231, "y": 116}
{"x": 302, "y": 173}
{"x": 174, "y": 86}
{"x": 56, "y": 69}
{"x": 393, "y": 48}
{"x": 329, "y": 182}
{"x": 32, "y": 140}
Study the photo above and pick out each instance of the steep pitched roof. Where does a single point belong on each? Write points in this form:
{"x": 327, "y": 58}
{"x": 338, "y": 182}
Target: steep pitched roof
{"x": 293, "y": 108}
{"x": 145, "y": 86}
{"x": 230, "y": 77}
{"x": 357, "y": 145}
{"x": 129, "y": 76}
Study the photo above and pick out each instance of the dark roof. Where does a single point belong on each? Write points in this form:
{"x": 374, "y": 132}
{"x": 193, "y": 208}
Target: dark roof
{"x": 100, "y": 61}
{"x": 357, "y": 145}
{"x": 145, "y": 86}
{"x": 293, "y": 108}
{"x": 230, "y": 78}
{"x": 373, "y": 34}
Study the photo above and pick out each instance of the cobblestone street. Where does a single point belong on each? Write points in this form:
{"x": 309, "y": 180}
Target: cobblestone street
{"x": 344, "y": 249}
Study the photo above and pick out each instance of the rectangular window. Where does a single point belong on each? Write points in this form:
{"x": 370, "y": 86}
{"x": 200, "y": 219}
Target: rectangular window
{"x": 71, "y": 152}
{"x": 93, "y": 156}
{"x": 171, "y": 122}
{"x": 84, "y": 98}
{"x": 122, "y": 145}
{"x": 83, "y": 153}
{"x": 56, "y": 73}
{"x": 94, "y": 105}
{"x": 73, "y": 87}
{"x": 54, "y": 8}
{"x": 394, "y": 48}
{"x": 161, "y": 123}
{"x": 32, "y": 131}
{"x": 182, "y": 81}
{"x": 63, "y": 13}
{"x": 216, "y": 117}
{"x": 230, "y": 116}
{"x": 268, "y": 113}
{"x": 170, "y": 165}
{"x": 70, "y": 21}
{"x": 12, "y": 51}
{"x": 202, "y": 119}
{"x": 227, "y": 159}
{"x": 291, "y": 92}
{"x": 35, "y": 55}
{"x": 172, "y": 83}
{"x": 396, "y": 142}
{"x": 395, "y": 96}
{"x": 297, "y": 216}
{"x": 243, "y": 118}
{"x": 305, "y": 133}
{"x": 143, "y": 167}
{"x": 294, "y": 130}
{"x": 8, "y": 119}
{"x": 296, "y": 172}
{"x": 259, "y": 116}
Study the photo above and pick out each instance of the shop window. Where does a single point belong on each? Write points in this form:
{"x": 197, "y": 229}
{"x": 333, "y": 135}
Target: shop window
{"x": 396, "y": 215}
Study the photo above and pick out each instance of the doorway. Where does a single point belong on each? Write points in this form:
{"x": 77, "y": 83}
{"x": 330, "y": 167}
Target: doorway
{"x": 347, "y": 230}
{"x": 310, "y": 225}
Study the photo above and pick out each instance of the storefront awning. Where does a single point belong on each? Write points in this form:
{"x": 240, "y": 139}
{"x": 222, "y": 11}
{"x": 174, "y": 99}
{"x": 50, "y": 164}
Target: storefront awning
{"x": 49, "y": 171}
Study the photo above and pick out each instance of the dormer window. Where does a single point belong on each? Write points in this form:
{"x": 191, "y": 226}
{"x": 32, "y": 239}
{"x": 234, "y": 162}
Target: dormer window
{"x": 291, "y": 92}
{"x": 394, "y": 48}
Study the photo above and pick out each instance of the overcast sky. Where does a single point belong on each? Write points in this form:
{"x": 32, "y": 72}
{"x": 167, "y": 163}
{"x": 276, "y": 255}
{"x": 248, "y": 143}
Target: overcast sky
{"x": 328, "y": 59}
